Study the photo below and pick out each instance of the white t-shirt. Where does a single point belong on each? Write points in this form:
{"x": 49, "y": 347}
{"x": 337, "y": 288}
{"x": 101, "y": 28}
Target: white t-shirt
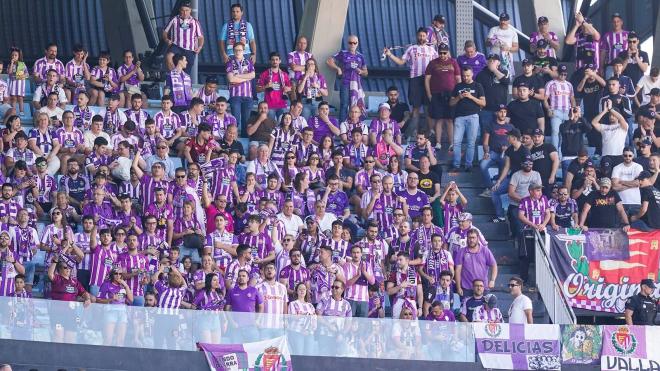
{"x": 614, "y": 139}
{"x": 622, "y": 172}
{"x": 647, "y": 84}
{"x": 291, "y": 225}
{"x": 56, "y": 112}
{"x": 518, "y": 308}
{"x": 507, "y": 36}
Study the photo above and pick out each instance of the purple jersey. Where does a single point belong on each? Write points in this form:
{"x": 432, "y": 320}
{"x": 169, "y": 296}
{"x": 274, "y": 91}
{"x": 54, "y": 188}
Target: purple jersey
{"x": 474, "y": 265}
{"x": 134, "y": 264}
{"x": 110, "y": 289}
{"x": 321, "y": 128}
{"x": 75, "y": 73}
{"x": 304, "y": 151}
{"x": 98, "y": 73}
{"x": 321, "y": 279}
{"x": 24, "y": 242}
{"x": 211, "y": 300}
{"x": 7, "y": 272}
{"x": 43, "y": 140}
{"x": 82, "y": 117}
{"x": 221, "y": 256}
{"x": 536, "y": 36}
{"x": 260, "y": 243}
{"x": 139, "y": 117}
{"x": 169, "y": 297}
{"x": 244, "y": 300}
{"x": 236, "y": 67}
{"x": 359, "y": 290}
{"x": 124, "y": 70}
{"x": 184, "y": 33}
{"x": 384, "y": 208}
{"x": 350, "y": 65}
{"x": 148, "y": 189}
{"x": 167, "y": 124}
{"x": 477, "y": 62}
{"x": 356, "y": 154}
{"x": 456, "y": 239}
{"x": 534, "y": 210}
{"x": 415, "y": 201}
{"x": 450, "y": 214}
{"x": 334, "y": 308}
{"x": 42, "y": 65}
{"x": 69, "y": 139}
{"x": 613, "y": 43}
{"x": 181, "y": 224}
{"x": 103, "y": 260}
{"x": 296, "y": 58}
{"x": 294, "y": 276}
{"x": 219, "y": 124}
{"x": 337, "y": 203}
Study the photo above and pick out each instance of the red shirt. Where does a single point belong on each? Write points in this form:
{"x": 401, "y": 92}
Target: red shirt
{"x": 274, "y": 96}
{"x": 198, "y": 151}
{"x": 66, "y": 289}
{"x": 443, "y": 75}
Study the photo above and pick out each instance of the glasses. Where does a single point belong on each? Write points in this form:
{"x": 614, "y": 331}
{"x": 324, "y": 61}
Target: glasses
{"x": 370, "y": 161}
{"x": 633, "y": 41}
{"x": 161, "y": 147}
{"x": 444, "y": 53}
{"x": 563, "y": 194}
{"x": 513, "y": 285}
{"x": 57, "y": 213}
{"x": 238, "y": 50}
{"x": 291, "y": 158}
{"x": 180, "y": 176}
{"x": 627, "y": 156}
{"x": 336, "y": 287}
{"x": 352, "y": 43}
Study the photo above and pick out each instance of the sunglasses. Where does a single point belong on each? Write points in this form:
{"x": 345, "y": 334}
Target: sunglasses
{"x": 57, "y": 213}
{"x": 352, "y": 43}
{"x": 336, "y": 287}
{"x": 444, "y": 53}
{"x": 161, "y": 147}
{"x": 370, "y": 161}
{"x": 287, "y": 240}
{"x": 180, "y": 176}
{"x": 513, "y": 285}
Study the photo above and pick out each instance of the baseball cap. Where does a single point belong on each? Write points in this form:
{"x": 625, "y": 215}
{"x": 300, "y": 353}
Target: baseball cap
{"x": 528, "y": 159}
{"x": 491, "y": 300}
{"x": 632, "y": 35}
{"x": 605, "y": 182}
{"x": 502, "y": 107}
{"x": 537, "y": 131}
{"x": 526, "y": 62}
{"x": 648, "y": 282}
{"x": 443, "y": 46}
{"x": 504, "y": 16}
{"x": 522, "y": 84}
{"x": 617, "y": 15}
{"x": 542, "y": 44}
{"x": 645, "y": 174}
{"x": 590, "y": 66}
{"x": 654, "y": 91}
{"x": 514, "y": 133}
{"x": 494, "y": 56}
{"x": 464, "y": 216}
{"x": 589, "y": 163}
{"x": 646, "y": 142}
{"x": 535, "y": 186}
{"x": 384, "y": 105}
{"x": 563, "y": 68}
{"x": 542, "y": 19}
{"x": 646, "y": 113}
{"x": 211, "y": 80}
{"x": 439, "y": 18}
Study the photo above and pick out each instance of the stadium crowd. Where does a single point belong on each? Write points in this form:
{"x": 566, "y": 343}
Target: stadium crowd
{"x": 319, "y": 215}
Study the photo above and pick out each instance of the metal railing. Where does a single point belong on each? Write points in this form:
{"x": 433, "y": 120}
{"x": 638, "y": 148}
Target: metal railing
{"x": 549, "y": 286}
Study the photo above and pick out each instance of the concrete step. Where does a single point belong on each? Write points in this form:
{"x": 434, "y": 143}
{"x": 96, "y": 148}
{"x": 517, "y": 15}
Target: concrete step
{"x": 494, "y": 231}
{"x": 462, "y": 178}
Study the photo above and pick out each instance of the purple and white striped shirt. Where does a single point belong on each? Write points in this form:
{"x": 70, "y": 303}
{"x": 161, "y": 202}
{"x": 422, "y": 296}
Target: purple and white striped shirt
{"x": 69, "y": 139}
{"x": 82, "y": 117}
{"x": 184, "y": 32}
{"x": 231, "y": 273}
{"x": 167, "y": 124}
{"x": 139, "y": 117}
{"x": 24, "y": 242}
{"x": 359, "y": 291}
{"x": 98, "y": 73}
{"x": 148, "y": 189}
{"x": 132, "y": 264}
{"x": 103, "y": 260}
{"x": 82, "y": 240}
{"x": 613, "y": 43}
{"x": 124, "y": 70}
{"x": 450, "y": 213}
{"x": 418, "y": 57}
{"x": 222, "y": 258}
{"x": 42, "y": 65}
{"x": 169, "y": 297}
{"x": 332, "y": 307}
{"x": 298, "y": 59}
{"x": 534, "y": 210}
{"x": 559, "y": 94}
{"x": 260, "y": 243}
{"x": 294, "y": 276}
{"x": 75, "y": 72}
{"x": 219, "y": 125}
{"x": 536, "y": 36}
{"x": 237, "y": 67}
{"x": 7, "y": 272}
{"x": 181, "y": 224}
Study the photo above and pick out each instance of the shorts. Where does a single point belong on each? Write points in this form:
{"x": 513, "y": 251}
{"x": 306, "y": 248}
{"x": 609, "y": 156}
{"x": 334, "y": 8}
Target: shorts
{"x": 3, "y": 109}
{"x": 115, "y": 313}
{"x": 429, "y": 291}
{"x": 65, "y": 315}
{"x": 439, "y": 107}
{"x": 417, "y": 92}
{"x": 132, "y": 89}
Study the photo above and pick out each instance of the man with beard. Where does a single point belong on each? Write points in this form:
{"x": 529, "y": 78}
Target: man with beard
{"x": 294, "y": 273}
{"x": 48, "y": 62}
{"x": 340, "y": 247}
{"x": 525, "y": 114}
{"x": 422, "y": 236}
{"x": 275, "y": 300}
{"x": 584, "y": 184}
{"x": 275, "y": 85}
{"x": 495, "y": 80}
{"x": 418, "y": 58}
{"x": 374, "y": 250}
{"x": 73, "y": 184}
{"x": 405, "y": 284}
{"x": 530, "y": 79}
{"x": 546, "y": 160}
{"x": 382, "y": 203}
{"x": 134, "y": 266}
{"x": 9, "y": 207}
{"x": 322, "y": 275}
{"x": 602, "y": 208}
{"x": 263, "y": 250}
{"x": 625, "y": 182}
{"x": 400, "y": 110}
{"x": 473, "y": 264}
{"x": 9, "y": 264}
{"x": 519, "y": 189}
{"x": 103, "y": 259}
{"x": 164, "y": 214}
{"x": 359, "y": 275}
{"x": 534, "y": 215}
{"x": 404, "y": 242}
{"x": 101, "y": 210}
{"x": 421, "y": 148}
{"x": 416, "y": 199}
{"x": 24, "y": 243}
{"x": 442, "y": 75}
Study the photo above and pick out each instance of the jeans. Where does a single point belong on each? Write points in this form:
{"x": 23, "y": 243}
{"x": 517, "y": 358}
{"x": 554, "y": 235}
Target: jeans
{"x": 486, "y": 118}
{"x": 344, "y": 101}
{"x": 631, "y": 129}
{"x": 30, "y": 267}
{"x": 359, "y": 308}
{"x": 190, "y": 56}
{"x": 565, "y": 163}
{"x": 557, "y": 118}
{"x": 138, "y": 301}
{"x": 494, "y": 158}
{"x": 463, "y": 125}
{"x": 276, "y": 113}
{"x": 240, "y": 108}
{"x": 94, "y": 290}
{"x": 310, "y": 108}
{"x": 514, "y": 223}
{"x": 497, "y": 199}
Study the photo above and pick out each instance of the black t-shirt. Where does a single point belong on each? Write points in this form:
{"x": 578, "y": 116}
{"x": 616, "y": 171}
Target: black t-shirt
{"x": 564, "y": 215}
{"x": 652, "y": 215}
{"x": 644, "y": 161}
{"x": 496, "y": 91}
{"x": 524, "y": 114}
{"x": 576, "y": 169}
{"x": 498, "y": 135}
{"x": 572, "y": 136}
{"x": 632, "y": 69}
{"x": 603, "y": 212}
{"x": 542, "y": 161}
{"x": 620, "y": 102}
{"x": 465, "y": 106}
{"x": 398, "y": 110}
{"x": 427, "y": 182}
{"x": 234, "y": 146}
{"x": 644, "y": 309}
{"x": 516, "y": 157}
{"x": 590, "y": 96}
{"x": 543, "y": 62}
{"x": 533, "y": 81}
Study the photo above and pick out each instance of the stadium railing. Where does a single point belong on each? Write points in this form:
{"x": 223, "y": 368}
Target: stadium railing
{"x": 171, "y": 329}
{"x": 548, "y": 283}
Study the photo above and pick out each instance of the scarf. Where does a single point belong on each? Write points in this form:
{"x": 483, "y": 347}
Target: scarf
{"x": 234, "y": 35}
{"x": 181, "y": 88}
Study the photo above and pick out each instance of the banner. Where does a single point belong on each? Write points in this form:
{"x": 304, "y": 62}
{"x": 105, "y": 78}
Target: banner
{"x": 630, "y": 348}
{"x": 266, "y": 355}
{"x": 598, "y": 271}
{"x": 517, "y": 346}
{"x": 580, "y": 344}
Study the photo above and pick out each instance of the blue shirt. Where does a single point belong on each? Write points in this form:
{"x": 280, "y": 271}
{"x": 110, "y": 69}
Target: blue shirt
{"x": 230, "y": 47}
